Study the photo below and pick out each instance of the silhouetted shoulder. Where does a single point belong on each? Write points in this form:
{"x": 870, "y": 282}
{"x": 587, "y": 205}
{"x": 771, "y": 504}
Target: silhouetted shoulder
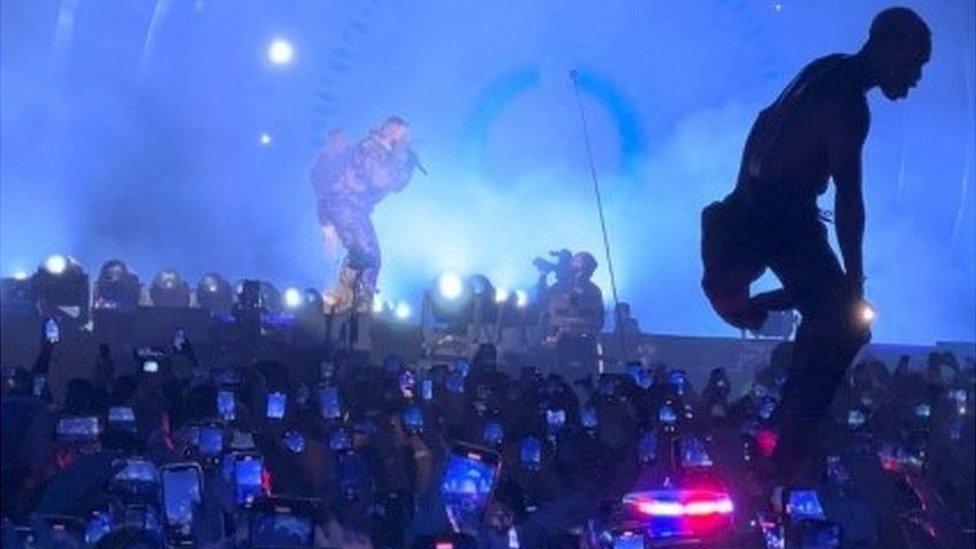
{"x": 846, "y": 108}
{"x": 841, "y": 85}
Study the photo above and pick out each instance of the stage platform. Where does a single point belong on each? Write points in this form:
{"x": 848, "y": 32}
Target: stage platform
{"x": 298, "y": 342}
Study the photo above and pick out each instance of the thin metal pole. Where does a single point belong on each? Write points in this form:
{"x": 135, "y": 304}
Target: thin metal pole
{"x": 574, "y": 76}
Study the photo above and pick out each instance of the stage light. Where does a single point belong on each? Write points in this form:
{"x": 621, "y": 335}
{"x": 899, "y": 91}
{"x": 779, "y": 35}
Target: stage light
{"x": 56, "y": 264}
{"x": 264, "y": 139}
{"x": 20, "y": 275}
{"x": 16, "y": 297}
{"x": 281, "y": 52}
{"x": 448, "y": 304}
{"x": 270, "y": 297}
{"x": 215, "y": 294}
{"x": 378, "y": 305}
{"x": 169, "y": 289}
{"x": 60, "y": 284}
{"x": 116, "y": 288}
{"x": 314, "y": 301}
{"x": 293, "y": 298}
{"x": 480, "y": 285}
{"x": 866, "y": 313}
{"x": 257, "y": 295}
{"x": 248, "y": 308}
{"x": 501, "y": 295}
{"x": 402, "y": 311}
{"x": 483, "y": 306}
{"x": 521, "y": 298}
{"x": 450, "y": 286}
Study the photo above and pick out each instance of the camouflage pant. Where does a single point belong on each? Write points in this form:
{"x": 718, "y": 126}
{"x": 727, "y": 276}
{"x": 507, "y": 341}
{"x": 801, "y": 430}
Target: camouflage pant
{"x": 358, "y": 237}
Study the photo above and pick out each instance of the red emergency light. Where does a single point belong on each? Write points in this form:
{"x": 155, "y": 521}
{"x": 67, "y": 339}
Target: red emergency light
{"x": 680, "y": 503}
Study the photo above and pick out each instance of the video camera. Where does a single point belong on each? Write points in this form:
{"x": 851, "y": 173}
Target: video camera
{"x": 545, "y": 266}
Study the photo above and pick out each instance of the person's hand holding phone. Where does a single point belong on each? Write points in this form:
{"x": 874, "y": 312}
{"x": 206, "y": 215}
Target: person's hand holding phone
{"x": 276, "y": 405}
{"x": 226, "y": 405}
{"x": 182, "y": 492}
{"x": 179, "y": 339}
{"x": 329, "y": 403}
{"x": 468, "y": 484}
{"x": 52, "y": 331}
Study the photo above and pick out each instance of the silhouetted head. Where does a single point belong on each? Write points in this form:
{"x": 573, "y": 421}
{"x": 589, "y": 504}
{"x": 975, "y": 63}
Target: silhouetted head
{"x": 583, "y": 264}
{"x": 898, "y": 45}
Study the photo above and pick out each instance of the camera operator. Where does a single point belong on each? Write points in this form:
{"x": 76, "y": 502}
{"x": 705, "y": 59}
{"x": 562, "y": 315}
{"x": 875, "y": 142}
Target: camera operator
{"x": 562, "y": 272}
{"x": 575, "y": 316}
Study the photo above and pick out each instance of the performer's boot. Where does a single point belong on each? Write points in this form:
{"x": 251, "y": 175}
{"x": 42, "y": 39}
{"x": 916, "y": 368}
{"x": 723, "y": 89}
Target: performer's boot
{"x": 339, "y": 299}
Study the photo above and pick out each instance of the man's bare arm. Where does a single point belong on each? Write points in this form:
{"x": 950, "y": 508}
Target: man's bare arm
{"x": 849, "y": 129}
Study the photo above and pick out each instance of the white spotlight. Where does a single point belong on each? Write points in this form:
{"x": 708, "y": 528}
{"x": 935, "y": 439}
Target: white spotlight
{"x": 264, "y": 139}
{"x": 866, "y": 313}
{"x": 56, "y": 264}
{"x": 293, "y": 298}
{"x": 402, "y": 311}
{"x": 281, "y": 52}
{"x": 501, "y": 295}
{"x": 521, "y": 298}
{"x": 21, "y": 275}
{"x": 378, "y": 304}
{"x": 450, "y": 286}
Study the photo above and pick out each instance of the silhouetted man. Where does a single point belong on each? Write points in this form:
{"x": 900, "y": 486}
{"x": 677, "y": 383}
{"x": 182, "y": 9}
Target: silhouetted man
{"x": 575, "y": 315}
{"x": 813, "y": 132}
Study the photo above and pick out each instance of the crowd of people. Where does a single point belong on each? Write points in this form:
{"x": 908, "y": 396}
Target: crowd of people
{"x": 214, "y": 448}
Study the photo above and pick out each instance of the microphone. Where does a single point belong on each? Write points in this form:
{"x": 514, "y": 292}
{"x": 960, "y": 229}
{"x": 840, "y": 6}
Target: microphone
{"x": 415, "y": 160}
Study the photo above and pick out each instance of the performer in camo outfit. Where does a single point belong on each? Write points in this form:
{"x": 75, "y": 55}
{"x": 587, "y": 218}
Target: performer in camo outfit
{"x": 349, "y": 182}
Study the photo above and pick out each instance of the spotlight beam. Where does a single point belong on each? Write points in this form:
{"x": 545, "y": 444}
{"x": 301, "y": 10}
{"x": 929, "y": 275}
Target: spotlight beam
{"x": 158, "y": 16}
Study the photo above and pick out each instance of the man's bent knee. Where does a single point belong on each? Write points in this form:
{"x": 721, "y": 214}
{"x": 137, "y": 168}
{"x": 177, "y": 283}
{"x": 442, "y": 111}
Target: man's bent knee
{"x": 733, "y": 304}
